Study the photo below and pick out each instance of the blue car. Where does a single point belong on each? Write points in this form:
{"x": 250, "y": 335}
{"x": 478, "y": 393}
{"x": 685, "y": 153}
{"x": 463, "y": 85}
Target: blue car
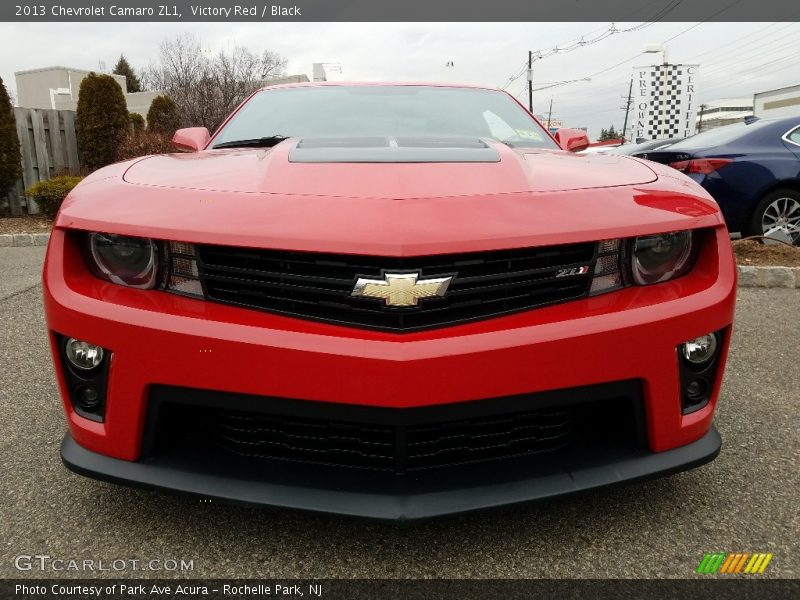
{"x": 751, "y": 169}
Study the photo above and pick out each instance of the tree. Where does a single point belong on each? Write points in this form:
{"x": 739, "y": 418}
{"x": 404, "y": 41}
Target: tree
{"x": 124, "y": 68}
{"x": 141, "y": 143}
{"x": 137, "y": 121}
{"x": 102, "y": 120}
{"x": 608, "y": 134}
{"x": 10, "y": 160}
{"x": 207, "y": 87}
{"x": 162, "y": 118}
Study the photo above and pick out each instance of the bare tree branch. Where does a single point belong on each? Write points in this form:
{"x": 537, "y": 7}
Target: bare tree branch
{"x": 205, "y": 87}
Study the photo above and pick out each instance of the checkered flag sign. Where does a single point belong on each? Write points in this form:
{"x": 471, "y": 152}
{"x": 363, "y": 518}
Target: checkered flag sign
{"x": 664, "y": 99}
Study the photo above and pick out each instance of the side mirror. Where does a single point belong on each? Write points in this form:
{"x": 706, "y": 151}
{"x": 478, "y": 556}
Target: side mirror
{"x": 572, "y": 140}
{"x": 192, "y": 139}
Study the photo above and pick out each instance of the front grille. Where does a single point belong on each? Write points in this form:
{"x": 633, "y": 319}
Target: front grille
{"x": 318, "y": 286}
{"x": 261, "y": 436}
{"x": 398, "y": 449}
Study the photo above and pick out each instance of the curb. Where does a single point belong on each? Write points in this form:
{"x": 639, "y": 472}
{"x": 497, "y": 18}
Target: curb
{"x": 18, "y": 240}
{"x": 749, "y": 276}
{"x": 769, "y": 277}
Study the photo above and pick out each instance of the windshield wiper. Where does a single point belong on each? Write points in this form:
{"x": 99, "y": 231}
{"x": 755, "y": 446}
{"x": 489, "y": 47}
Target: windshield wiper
{"x": 262, "y": 142}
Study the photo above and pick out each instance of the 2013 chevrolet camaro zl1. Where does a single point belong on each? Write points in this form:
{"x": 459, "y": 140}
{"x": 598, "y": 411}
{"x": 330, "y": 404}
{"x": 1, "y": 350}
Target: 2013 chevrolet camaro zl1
{"x": 394, "y": 301}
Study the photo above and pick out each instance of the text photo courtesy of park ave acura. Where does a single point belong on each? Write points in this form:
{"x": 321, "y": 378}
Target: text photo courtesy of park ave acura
{"x": 351, "y": 300}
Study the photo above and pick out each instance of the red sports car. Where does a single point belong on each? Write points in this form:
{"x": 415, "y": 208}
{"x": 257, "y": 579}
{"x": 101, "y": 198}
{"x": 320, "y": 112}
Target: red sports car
{"x": 387, "y": 300}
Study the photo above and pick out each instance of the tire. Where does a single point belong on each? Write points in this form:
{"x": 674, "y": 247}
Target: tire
{"x": 780, "y": 209}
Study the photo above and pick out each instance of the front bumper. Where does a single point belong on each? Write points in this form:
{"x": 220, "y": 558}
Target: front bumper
{"x": 158, "y": 339}
{"x": 399, "y": 502}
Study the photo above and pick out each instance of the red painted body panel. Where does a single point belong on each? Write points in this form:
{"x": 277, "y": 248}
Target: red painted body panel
{"x": 268, "y": 170}
{"x": 257, "y": 198}
{"x": 356, "y": 217}
{"x": 157, "y": 337}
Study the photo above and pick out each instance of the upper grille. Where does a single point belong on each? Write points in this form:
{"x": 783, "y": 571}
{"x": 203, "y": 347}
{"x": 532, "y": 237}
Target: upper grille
{"x": 318, "y": 286}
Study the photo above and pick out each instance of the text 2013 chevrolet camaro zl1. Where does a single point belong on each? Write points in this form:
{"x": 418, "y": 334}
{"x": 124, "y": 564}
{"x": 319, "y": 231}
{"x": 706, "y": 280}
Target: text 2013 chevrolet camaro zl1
{"x": 393, "y": 301}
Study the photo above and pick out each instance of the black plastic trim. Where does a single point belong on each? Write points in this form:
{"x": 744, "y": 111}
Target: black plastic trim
{"x": 431, "y": 313}
{"x": 75, "y": 379}
{"x": 587, "y": 473}
{"x": 706, "y": 372}
{"x": 393, "y": 150}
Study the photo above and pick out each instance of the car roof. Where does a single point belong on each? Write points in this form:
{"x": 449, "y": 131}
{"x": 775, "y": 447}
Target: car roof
{"x": 442, "y": 84}
{"x": 737, "y": 132}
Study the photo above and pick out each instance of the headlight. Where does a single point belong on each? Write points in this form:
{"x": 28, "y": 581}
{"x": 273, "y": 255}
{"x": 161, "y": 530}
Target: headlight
{"x": 129, "y": 261}
{"x": 657, "y": 258}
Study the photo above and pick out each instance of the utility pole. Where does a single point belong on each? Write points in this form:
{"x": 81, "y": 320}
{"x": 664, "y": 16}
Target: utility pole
{"x": 530, "y": 81}
{"x": 627, "y": 109}
{"x": 700, "y": 124}
{"x": 550, "y": 114}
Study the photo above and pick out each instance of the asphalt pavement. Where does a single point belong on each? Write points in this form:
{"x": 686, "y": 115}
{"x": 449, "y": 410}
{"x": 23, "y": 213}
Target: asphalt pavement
{"x": 745, "y": 501}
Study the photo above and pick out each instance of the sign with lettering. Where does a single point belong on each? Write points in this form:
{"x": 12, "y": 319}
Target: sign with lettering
{"x": 664, "y": 102}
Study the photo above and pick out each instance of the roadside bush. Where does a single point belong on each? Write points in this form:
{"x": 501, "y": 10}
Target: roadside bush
{"x": 163, "y": 116}
{"x": 50, "y": 194}
{"x": 102, "y": 120}
{"x": 137, "y": 121}
{"x": 142, "y": 143}
{"x": 10, "y": 160}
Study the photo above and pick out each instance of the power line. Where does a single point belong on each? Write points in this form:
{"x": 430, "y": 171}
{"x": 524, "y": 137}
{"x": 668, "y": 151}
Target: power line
{"x": 738, "y": 41}
{"x": 583, "y": 42}
{"x": 719, "y": 12}
{"x": 705, "y": 71}
{"x": 736, "y": 61}
{"x": 756, "y": 71}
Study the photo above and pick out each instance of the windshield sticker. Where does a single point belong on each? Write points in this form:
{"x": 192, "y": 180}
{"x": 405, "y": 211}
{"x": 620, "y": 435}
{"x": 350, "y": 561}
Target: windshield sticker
{"x": 529, "y": 134}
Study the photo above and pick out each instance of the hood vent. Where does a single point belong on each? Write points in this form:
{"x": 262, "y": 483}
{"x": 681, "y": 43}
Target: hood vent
{"x": 417, "y": 149}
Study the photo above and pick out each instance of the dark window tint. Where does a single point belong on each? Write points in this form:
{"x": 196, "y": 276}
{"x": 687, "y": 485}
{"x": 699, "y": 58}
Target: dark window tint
{"x": 719, "y": 136}
{"x": 794, "y": 136}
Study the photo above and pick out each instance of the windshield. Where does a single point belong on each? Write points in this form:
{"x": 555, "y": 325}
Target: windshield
{"x": 382, "y": 110}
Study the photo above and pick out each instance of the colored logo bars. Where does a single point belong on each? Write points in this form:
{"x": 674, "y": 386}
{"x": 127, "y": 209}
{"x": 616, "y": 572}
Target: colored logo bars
{"x": 733, "y": 563}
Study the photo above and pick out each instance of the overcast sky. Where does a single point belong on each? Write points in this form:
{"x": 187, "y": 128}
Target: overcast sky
{"x": 736, "y": 59}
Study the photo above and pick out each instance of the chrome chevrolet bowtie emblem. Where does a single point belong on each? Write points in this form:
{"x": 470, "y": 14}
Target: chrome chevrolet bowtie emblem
{"x": 401, "y": 289}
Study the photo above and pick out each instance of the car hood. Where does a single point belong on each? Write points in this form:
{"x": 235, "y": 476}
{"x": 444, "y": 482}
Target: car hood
{"x": 259, "y": 198}
{"x": 272, "y": 171}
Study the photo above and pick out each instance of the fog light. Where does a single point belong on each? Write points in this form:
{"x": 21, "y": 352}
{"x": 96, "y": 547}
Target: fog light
{"x": 700, "y": 350}
{"x": 88, "y": 397}
{"x": 83, "y": 355}
{"x": 696, "y": 390}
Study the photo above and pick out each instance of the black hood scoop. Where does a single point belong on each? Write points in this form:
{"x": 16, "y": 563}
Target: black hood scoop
{"x": 418, "y": 149}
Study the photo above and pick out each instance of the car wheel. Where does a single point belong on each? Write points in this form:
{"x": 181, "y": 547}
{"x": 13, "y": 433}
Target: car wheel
{"x": 777, "y": 215}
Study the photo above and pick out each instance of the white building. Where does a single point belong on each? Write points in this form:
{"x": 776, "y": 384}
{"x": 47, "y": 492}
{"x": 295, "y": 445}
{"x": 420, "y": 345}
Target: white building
{"x": 725, "y": 111}
{"x": 58, "y": 87}
{"x": 783, "y": 102}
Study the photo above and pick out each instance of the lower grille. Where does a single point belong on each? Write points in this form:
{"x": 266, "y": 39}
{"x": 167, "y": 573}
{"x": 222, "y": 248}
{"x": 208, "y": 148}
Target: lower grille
{"x": 307, "y": 440}
{"x": 399, "y": 449}
{"x": 258, "y": 431}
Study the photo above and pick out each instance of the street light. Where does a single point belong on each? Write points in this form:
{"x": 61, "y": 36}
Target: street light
{"x": 655, "y": 48}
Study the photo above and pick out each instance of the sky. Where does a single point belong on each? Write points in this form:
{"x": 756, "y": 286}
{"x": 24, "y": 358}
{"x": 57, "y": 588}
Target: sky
{"x": 736, "y": 59}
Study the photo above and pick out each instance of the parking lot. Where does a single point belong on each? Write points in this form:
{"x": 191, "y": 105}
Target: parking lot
{"x": 745, "y": 501}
